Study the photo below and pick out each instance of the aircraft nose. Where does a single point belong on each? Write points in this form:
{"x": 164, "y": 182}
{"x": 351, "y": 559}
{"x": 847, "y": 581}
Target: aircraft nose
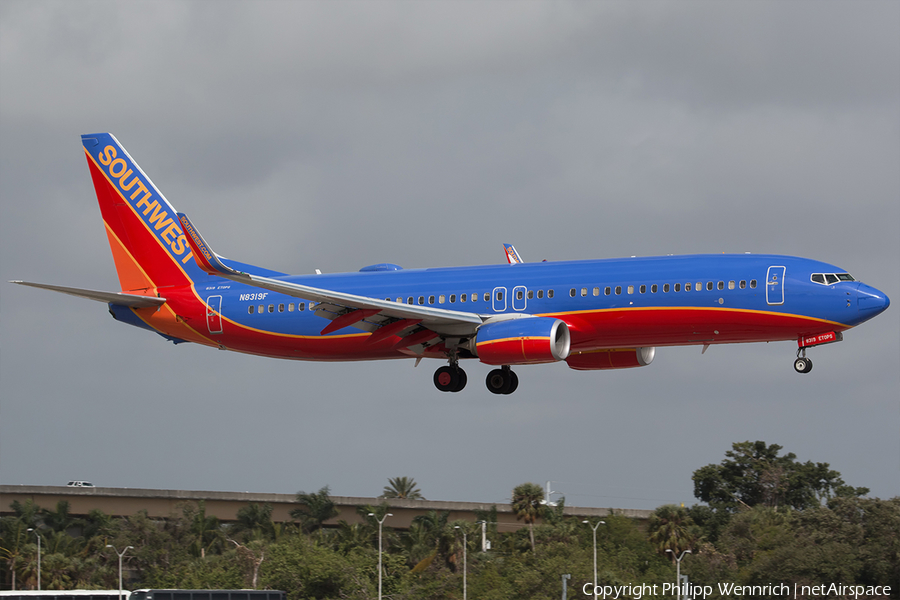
{"x": 871, "y": 301}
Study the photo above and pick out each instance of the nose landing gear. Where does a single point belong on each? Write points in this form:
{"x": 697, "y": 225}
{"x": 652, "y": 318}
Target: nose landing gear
{"x": 802, "y": 364}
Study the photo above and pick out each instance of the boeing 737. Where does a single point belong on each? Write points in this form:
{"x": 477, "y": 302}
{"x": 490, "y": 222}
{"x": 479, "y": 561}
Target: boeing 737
{"x": 592, "y": 314}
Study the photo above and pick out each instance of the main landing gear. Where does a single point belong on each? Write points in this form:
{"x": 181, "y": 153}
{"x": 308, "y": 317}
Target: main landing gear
{"x": 453, "y": 379}
{"x": 450, "y": 379}
{"x": 802, "y": 364}
{"x": 502, "y": 381}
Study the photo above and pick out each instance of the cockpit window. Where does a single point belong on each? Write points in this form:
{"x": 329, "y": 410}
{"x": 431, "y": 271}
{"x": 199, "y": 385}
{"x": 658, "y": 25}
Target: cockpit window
{"x": 830, "y": 278}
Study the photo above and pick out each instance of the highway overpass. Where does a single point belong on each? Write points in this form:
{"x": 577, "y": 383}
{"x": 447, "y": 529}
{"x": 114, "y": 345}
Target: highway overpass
{"x": 121, "y": 502}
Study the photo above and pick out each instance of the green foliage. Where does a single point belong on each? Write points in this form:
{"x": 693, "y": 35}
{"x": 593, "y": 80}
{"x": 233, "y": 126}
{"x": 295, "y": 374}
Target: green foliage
{"x": 315, "y": 509}
{"x": 526, "y": 503}
{"x": 754, "y": 474}
{"x": 402, "y": 487}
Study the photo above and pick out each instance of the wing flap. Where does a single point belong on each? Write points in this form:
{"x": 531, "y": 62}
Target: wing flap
{"x": 331, "y": 303}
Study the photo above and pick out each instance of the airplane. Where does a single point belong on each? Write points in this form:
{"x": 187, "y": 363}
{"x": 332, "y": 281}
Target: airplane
{"x": 591, "y": 314}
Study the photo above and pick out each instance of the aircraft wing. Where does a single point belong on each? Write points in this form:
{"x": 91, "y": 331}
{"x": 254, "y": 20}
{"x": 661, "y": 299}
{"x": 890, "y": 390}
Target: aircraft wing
{"x": 344, "y": 309}
{"x": 119, "y": 298}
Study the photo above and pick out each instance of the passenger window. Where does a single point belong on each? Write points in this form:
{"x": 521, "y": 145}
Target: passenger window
{"x": 291, "y": 307}
{"x": 721, "y": 285}
{"x": 441, "y": 299}
{"x": 596, "y": 291}
{"x": 643, "y": 289}
{"x": 409, "y": 300}
{"x": 430, "y": 299}
{"x": 607, "y": 290}
{"x": 753, "y": 284}
{"x": 519, "y": 295}
{"x": 260, "y": 309}
{"x": 666, "y": 288}
{"x": 499, "y": 296}
{"x": 687, "y": 286}
{"x": 583, "y": 292}
{"x": 572, "y": 292}
{"x": 271, "y": 308}
{"x": 677, "y": 287}
{"x": 549, "y": 293}
{"x": 743, "y": 284}
{"x": 653, "y": 289}
{"x": 421, "y": 300}
{"x": 530, "y": 294}
{"x": 630, "y": 289}
{"x": 281, "y": 308}
{"x": 699, "y": 286}
{"x": 540, "y": 294}
{"x": 301, "y": 307}
{"x": 709, "y": 285}
{"x": 731, "y": 285}
{"x": 618, "y": 290}
{"x": 250, "y": 309}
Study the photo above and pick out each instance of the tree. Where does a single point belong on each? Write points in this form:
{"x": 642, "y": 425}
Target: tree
{"x": 526, "y": 503}
{"x": 754, "y": 474}
{"x": 671, "y": 528}
{"x": 317, "y": 507}
{"x": 254, "y": 521}
{"x": 402, "y": 487}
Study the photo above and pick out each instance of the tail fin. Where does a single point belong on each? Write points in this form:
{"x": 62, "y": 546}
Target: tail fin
{"x": 148, "y": 245}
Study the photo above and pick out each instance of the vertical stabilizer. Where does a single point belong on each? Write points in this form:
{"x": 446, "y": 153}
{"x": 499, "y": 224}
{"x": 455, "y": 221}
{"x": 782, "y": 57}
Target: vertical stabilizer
{"x": 145, "y": 236}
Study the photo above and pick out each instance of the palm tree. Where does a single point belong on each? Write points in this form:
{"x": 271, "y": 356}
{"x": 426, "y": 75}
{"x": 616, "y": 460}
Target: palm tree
{"x": 317, "y": 508}
{"x": 255, "y": 520}
{"x": 671, "y": 528}
{"x": 526, "y": 503}
{"x": 205, "y": 529}
{"x": 402, "y": 487}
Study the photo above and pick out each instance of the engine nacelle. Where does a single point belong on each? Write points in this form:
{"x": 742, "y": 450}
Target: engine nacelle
{"x": 523, "y": 341}
{"x": 618, "y": 358}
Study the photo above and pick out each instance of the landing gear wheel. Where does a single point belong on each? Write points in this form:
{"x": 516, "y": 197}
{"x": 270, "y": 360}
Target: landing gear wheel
{"x": 513, "y": 383}
{"x": 450, "y": 379}
{"x": 446, "y": 379}
{"x": 502, "y": 381}
{"x": 803, "y": 365}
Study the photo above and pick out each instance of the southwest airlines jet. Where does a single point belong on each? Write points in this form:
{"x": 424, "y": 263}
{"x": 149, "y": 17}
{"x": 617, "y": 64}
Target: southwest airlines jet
{"x": 592, "y": 314}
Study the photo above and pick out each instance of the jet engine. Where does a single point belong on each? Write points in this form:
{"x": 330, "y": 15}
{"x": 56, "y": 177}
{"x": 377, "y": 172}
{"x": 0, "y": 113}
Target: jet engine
{"x": 617, "y": 358}
{"x": 522, "y": 341}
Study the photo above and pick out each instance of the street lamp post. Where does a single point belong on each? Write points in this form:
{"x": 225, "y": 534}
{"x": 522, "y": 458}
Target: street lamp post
{"x": 594, "y": 527}
{"x": 678, "y": 568}
{"x": 380, "y": 522}
{"x": 39, "y": 556}
{"x": 465, "y": 557}
{"x": 121, "y": 554}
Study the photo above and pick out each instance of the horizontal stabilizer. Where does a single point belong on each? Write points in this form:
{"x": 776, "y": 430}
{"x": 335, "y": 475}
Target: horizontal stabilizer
{"x": 119, "y": 298}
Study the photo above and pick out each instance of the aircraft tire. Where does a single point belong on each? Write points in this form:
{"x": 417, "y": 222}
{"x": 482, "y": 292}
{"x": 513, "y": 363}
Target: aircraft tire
{"x": 446, "y": 379}
{"x": 803, "y": 365}
{"x": 498, "y": 382}
{"x": 513, "y": 383}
{"x": 462, "y": 380}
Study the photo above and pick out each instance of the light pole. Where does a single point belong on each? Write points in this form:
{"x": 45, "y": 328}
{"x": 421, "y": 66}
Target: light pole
{"x": 380, "y": 522}
{"x": 39, "y": 555}
{"x": 678, "y": 568}
{"x": 121, "y": 554}
{"x": 594, "y": 527}
{"x": 465, "y": 557}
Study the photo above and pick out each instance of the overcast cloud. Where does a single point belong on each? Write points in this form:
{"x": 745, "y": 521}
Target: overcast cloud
{"x": 333, "y": 135}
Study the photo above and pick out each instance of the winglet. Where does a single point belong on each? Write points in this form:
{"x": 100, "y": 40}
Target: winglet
{"x": 204, "y": 256}
{"x": 511, "y": 255}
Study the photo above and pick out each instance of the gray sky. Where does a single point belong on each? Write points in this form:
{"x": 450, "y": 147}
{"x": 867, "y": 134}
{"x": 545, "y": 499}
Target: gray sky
{"x": 305, "y": 135}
